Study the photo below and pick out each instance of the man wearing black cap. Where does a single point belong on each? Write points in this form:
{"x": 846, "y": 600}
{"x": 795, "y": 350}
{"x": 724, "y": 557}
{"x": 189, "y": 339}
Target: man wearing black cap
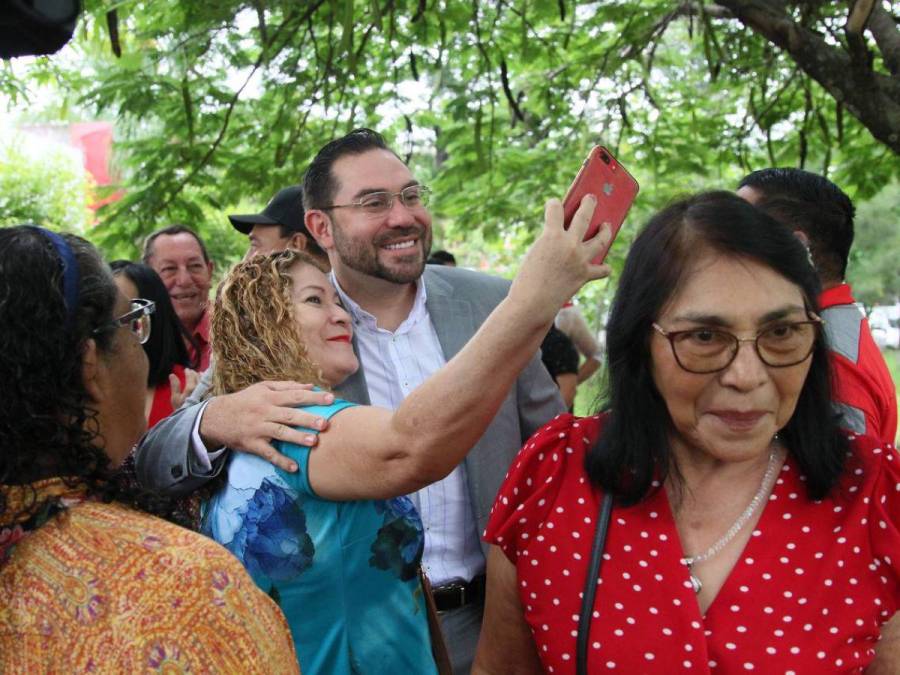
{"x": 280, "y": 226}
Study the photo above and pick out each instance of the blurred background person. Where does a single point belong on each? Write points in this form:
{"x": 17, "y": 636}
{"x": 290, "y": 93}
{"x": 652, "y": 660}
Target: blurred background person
{"x": 178, "y": 255}
{"x": 441, "y": 257}
{"x": 280, "y": 226}
{"x": 171, "y": 377}
{"x": 821, "y": 215}
{"x": 572, "y": 323}
{"x": 560, "y": 358}
{"x": 747, "y": 531}
{"x": 88, "y": 583}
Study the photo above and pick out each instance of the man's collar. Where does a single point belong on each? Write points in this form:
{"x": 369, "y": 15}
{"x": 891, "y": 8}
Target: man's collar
{"x": 841, "y": 294}
{"x": 359, "y": 315}
{"x": 202, "y": 329}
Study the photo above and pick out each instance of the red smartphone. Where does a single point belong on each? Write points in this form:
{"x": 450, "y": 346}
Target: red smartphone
{"x": 615, "y": 189}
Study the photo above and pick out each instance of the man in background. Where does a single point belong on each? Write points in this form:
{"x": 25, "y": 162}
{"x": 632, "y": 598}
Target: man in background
{"x": 442, "y": 257}
{"x": 179, "y": 257}
{"x": 821, "y": 215}
{"x": 279, "y": 227}
{"x": 572, "y": 323}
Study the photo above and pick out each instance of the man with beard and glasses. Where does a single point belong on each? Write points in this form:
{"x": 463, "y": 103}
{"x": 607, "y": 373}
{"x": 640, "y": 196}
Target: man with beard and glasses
{"x": 369, "y": 213}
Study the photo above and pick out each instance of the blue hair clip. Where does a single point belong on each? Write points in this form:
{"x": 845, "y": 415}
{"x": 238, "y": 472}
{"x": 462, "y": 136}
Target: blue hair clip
{"x": 69, "y": 270}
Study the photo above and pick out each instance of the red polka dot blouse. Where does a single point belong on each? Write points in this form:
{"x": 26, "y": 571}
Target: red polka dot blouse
{"x": 808, "y": 595}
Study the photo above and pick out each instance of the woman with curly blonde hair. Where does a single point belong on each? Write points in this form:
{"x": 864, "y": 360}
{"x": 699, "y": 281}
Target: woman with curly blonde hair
{"x": 254, "y": 326}
{"x": 336, "y": 544}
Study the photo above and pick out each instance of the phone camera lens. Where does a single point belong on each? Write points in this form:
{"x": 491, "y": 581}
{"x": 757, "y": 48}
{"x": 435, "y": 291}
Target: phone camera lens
{"x": 604, "y": 157}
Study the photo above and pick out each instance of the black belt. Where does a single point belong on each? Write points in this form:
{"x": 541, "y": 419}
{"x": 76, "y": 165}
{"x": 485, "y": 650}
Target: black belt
{"x": 458, "y": 594}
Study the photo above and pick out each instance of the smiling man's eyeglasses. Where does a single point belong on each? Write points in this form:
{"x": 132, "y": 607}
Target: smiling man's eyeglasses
{"x": 378, "y": 203}
{"x": 137, "y": 320}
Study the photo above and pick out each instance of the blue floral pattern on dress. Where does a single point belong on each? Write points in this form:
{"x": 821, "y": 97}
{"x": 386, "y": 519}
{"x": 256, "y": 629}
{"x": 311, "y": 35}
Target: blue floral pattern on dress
{"x": 400, "y": 541}
{"x": 272, "y": 539}
{"x": 327, "y": 563}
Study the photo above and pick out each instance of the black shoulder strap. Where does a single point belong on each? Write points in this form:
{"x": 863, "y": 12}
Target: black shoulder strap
{"x": 590, "y": 585}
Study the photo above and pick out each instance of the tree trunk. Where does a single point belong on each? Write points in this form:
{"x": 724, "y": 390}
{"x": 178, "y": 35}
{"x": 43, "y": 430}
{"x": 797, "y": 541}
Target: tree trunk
{"x": 872, "y": 97}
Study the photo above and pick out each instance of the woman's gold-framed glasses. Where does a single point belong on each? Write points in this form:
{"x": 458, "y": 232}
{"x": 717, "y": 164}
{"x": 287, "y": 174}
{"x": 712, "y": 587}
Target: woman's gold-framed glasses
{"x": 709, "y": 350}
{"x": 137, "y": 320}
{"x": 379, "y": 203}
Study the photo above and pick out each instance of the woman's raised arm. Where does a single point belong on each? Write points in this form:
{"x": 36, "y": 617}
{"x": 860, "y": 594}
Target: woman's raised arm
{"x": 369, "y": 452}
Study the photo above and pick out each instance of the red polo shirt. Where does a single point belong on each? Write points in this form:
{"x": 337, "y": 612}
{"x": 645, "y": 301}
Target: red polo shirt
{"x": 862, "y": 385}
{"x": 201, "y": 336}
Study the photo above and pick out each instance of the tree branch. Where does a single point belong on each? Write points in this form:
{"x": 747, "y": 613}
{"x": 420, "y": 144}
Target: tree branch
{"x": 853, "y": 30}
{"x": 228, "y": 112}
{"x": 887, "y": 37}
{"x": 873, "y": 98}
{"x": 112, "y": 23}
{"x": 504, "y": 79}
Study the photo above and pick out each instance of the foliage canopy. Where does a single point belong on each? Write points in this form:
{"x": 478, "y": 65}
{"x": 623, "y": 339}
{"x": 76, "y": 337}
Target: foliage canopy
{"x": 495, "y": 103}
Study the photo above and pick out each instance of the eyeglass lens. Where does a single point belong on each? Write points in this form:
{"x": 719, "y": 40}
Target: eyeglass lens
{"x": 410, "y": 197}
{"x": 140, "y": 325}
{"x": 710, "y": 350}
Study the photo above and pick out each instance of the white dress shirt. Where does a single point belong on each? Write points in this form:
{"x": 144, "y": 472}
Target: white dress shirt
{"x": 395, "y": 363}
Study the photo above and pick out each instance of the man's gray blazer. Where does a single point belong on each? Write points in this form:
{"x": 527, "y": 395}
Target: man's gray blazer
{"x": 458, "y": 301}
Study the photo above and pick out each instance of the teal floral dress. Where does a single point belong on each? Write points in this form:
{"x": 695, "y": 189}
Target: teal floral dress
{"x": 343, "y": 573}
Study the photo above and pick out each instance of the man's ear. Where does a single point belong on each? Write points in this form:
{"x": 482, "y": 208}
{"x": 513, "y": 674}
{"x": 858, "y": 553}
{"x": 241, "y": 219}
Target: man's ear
{"x": 319, "y": 225}
{"x": 90, "y": 371}
{"x": 210, "y": 266}
{"x": 298, "y": 242}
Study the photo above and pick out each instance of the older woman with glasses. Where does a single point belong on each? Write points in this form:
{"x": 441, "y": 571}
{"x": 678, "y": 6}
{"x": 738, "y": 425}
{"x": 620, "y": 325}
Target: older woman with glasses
{"x": 88, "y": 583}
{"x": 712, "y": 518}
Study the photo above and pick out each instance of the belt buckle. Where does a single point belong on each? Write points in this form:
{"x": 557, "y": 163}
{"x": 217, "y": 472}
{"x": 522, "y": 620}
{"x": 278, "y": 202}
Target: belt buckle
{"x": 458, "y": 589}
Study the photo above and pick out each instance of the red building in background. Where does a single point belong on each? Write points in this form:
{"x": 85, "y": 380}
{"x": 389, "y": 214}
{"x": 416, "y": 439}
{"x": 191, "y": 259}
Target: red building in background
{"x": 94, "y": 140}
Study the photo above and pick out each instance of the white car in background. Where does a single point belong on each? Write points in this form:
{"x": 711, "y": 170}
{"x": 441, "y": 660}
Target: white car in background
{"x": 884, "y": 321}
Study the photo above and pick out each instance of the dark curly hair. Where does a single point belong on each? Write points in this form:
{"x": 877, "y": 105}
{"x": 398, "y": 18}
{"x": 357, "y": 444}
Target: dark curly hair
{"x": 48, "y": 426}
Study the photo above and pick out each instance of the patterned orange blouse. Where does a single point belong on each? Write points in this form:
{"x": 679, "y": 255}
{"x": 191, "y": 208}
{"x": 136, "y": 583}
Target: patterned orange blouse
{"x": 104, "y": 588}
